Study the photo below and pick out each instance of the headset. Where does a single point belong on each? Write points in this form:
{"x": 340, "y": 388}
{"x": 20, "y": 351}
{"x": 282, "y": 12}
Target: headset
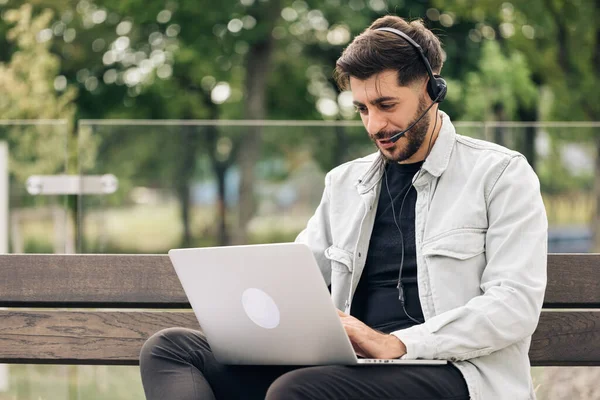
{"x": 436, "y": 89}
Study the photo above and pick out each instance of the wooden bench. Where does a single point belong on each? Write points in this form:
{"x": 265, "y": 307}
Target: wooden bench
{"x": 110, "y": 304}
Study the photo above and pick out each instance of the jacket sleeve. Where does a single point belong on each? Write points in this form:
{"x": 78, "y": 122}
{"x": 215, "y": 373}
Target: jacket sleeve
{"x": 317, "y": 234}
{"x": 512, "y": 284}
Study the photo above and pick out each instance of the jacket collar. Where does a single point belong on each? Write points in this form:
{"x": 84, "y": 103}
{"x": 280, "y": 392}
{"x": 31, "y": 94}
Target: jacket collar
{"x": 373, "y": 174}
{"x": 436, "y": 163}
{"x": 439, "y": 157}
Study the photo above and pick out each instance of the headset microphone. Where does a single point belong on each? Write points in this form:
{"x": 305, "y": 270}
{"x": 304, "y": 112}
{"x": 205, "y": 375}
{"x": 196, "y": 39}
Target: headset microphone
{"x": 398, "y": 135}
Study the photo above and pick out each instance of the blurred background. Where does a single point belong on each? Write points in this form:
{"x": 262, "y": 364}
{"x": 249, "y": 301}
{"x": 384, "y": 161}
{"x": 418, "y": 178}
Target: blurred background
{"x": 218, "y": 120}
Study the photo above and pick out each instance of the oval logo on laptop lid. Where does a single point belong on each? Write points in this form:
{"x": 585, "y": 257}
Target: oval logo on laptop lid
{"x": 260, "y": 308}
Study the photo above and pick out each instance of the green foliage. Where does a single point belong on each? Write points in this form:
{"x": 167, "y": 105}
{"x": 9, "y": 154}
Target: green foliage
{"x": 27, "y": 84}
{"x": 501, "y": 84}
{"x": 27, "y": 80}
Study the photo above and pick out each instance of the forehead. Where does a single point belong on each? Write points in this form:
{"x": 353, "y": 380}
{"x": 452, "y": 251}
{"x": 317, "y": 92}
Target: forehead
{"x": 383, "y": 84}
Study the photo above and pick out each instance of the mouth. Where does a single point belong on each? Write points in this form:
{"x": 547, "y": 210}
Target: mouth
{"x": 385, "y": 143}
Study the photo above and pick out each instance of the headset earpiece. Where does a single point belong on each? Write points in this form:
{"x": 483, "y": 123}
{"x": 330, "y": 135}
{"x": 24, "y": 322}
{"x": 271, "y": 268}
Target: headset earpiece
{"x": 437, "y": 89}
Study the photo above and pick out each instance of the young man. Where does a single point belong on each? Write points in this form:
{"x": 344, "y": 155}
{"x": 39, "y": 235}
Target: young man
{"x": 434, "y": 247}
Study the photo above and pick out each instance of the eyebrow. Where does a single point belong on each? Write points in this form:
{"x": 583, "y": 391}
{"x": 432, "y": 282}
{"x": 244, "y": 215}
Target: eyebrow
{"x": 376, "y": 101}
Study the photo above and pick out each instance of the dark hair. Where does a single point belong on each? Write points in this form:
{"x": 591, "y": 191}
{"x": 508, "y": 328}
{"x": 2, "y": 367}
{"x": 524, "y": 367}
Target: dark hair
{"x": 373, "y": 51}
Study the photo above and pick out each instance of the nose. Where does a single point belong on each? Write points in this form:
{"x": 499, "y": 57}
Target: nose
{"x": 375, "y": 122}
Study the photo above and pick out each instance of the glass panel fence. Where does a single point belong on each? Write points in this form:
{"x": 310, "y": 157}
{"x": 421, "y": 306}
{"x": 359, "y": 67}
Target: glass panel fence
{"x": 200, "y": 183}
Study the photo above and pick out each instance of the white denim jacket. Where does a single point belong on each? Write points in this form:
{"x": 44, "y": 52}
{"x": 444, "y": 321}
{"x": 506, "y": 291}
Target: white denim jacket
{"x": 481, "y": 240}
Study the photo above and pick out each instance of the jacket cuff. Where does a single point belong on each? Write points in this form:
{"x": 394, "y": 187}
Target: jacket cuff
{"x": 418, "y": 341}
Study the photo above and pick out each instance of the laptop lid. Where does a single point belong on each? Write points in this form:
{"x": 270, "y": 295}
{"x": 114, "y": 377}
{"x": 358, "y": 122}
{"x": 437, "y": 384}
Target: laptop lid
{"x": 264, "y": 304}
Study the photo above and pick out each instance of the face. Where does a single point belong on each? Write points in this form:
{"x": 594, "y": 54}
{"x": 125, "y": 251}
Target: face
{"x": 386, "y": 109}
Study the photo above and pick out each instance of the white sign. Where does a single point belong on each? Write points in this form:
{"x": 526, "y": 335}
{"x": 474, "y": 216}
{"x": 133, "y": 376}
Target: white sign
{"x": 71, "y": 184}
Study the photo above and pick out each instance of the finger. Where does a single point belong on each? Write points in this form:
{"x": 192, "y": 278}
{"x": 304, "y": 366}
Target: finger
{"x": 350, "y": 331}
{"x": 361, "y": 342}
{"x": 358, "y": 350}
{"x": 355, "y": 334}
{"x": 356, "y": 324}
{"x": 348, "y": 317}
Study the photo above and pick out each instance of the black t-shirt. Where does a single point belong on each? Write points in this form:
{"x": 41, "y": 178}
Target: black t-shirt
{"x": 376, "y": 301}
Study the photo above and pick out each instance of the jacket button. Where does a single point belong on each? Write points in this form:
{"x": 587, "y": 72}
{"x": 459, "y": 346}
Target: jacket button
{"x": 359, "y": 254}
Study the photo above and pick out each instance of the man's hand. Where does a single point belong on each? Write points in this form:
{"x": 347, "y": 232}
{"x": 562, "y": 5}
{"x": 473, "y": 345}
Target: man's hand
{"x": 368, "y": 342}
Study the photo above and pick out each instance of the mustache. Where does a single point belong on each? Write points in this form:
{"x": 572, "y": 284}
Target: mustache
{"x": 384, "y": 135}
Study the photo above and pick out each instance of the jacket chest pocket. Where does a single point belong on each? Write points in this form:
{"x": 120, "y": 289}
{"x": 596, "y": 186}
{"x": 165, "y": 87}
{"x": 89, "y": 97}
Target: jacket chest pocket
{"x": 341, "y": 275}
{"x": 455, "y": 263}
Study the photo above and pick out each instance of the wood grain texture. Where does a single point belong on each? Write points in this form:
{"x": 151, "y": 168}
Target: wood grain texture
{"x": 98, "y": 281}
{"x": 567, "y": 338}
{"x": 74, "y": 337}
{"x": 573, "y": 281}
{"x": 149, "y": 281}
{"x": 115, "y": 338}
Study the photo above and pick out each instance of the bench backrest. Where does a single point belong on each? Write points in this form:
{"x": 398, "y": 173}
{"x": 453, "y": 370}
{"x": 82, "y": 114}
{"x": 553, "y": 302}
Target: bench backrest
{"x": 108, "y": 305}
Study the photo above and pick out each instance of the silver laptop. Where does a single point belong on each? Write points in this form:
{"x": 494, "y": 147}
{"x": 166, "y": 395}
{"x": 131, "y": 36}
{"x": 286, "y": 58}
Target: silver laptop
{"x": 266, "y": 305}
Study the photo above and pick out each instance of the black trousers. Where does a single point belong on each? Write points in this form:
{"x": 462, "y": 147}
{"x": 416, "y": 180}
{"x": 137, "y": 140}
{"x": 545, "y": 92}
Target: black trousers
{"x": 177, "y": 364}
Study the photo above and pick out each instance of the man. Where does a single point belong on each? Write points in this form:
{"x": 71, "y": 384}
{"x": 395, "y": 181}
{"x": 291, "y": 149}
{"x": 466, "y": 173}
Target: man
{"x": 434, "y": 247}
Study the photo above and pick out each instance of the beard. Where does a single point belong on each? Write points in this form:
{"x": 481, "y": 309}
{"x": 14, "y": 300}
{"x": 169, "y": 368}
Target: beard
{"x": 415, "y": 136}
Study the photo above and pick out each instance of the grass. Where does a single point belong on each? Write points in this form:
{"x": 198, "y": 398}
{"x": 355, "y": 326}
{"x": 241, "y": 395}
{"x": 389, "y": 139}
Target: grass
{"x": 73, "y": 382}
{"x": 157, "y": 228}
{"x": 569, "y": 209}
{"x": 154, "y": 229}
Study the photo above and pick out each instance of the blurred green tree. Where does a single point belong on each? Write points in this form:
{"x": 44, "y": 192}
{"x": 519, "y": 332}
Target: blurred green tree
{"x": 560, "y": 41}
{"x": 27, "y": 86}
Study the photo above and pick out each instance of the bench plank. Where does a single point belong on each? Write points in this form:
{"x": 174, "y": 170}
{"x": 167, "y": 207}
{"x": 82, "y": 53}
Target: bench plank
{"x": 149, "y": 281}
{"x": 567, "y": 339}
{"x": 76, "y": 337}
{"x": 573, "y": 281}
{"x": 99, "y": 281}
{"x": 115, "y": 338}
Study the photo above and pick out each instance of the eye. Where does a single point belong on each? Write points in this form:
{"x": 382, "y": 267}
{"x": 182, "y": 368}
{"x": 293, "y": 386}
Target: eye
{"x": 361, "y": 109}
{"x": 386, "y": 106}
